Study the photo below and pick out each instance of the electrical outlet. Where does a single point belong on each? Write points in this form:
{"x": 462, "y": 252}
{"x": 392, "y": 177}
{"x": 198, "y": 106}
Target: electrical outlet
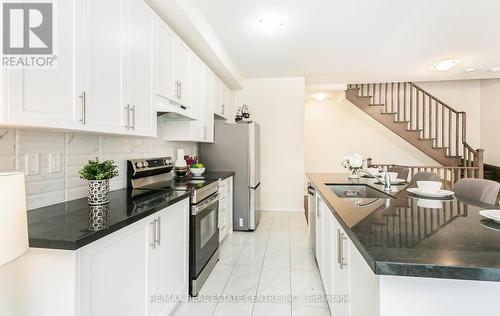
{"x": 32, "y": 164}
{"x": 55, "y": 163}
{"x": 241, "y": 221}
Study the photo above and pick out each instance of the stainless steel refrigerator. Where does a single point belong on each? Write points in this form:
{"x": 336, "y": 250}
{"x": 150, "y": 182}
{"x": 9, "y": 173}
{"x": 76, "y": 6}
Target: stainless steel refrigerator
{"x": 237, "y": 148}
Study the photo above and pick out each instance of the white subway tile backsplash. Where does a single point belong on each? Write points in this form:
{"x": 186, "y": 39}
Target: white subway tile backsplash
{"x": 34, "y": 141}
{"x": 7, "y": 143}
{"x": 75, "y": 149}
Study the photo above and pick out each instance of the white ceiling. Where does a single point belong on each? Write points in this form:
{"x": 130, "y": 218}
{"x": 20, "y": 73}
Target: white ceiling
{"x": 333, "y": 41}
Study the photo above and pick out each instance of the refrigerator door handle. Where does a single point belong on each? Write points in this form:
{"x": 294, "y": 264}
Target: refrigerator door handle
{"x": 255, "y": 187}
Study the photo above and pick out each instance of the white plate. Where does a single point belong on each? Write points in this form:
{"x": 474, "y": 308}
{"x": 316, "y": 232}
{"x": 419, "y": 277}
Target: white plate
{"x": 438, "y": 194}
{"x": 491, "y": 214}
{"x": 491, "y": 225}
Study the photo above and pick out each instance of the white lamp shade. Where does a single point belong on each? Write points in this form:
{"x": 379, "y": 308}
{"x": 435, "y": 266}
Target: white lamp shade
{"x": 13, "y": 217}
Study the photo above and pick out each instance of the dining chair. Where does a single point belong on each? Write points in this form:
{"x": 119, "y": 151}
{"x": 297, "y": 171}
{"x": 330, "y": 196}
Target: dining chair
{"x": 482, "y": 190}
{"x": 401, "y": 171}
{"x": 426, "y": 176}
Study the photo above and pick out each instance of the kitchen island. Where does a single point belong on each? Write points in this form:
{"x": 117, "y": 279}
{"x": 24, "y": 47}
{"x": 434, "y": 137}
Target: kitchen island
{"x": 401, "y": 254}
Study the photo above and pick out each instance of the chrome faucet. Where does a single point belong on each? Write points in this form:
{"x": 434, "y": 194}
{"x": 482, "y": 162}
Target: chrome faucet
{"x": 387, "y": 182}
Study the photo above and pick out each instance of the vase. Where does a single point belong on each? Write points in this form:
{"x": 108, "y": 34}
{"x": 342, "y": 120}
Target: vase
{"x": 354, "y": 174}
{"x": 98, "y": 192}
{"x": 98, "y": 217}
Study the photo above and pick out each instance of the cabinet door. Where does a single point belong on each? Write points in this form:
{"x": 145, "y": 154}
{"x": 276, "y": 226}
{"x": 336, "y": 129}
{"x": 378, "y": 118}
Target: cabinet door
{"x": 229, "y": 204}
{"x": 328, "y": 248}
{"x": 319, "y": 232}
{"x": 49, "y": 97}
{"x": 340, "y": 270}
{"x": 139, "y": 70}
{"x": 225, "y": 100}
{"x": 217, "y": 96}
{"x": 105, "y": 35}
{"x": 165, "y": 82}
{"x": 114, "y": 273}
{"x": 208, "y": 108}
{"x": 363, "y": 285}
{"x": 181, "y": 58}
{"x": 171, "y": 271}
{"x": 196, "y": 96}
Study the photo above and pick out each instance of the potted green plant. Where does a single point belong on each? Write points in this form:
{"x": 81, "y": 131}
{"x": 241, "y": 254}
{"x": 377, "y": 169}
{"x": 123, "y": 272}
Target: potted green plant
{"x": 98, "y": 174}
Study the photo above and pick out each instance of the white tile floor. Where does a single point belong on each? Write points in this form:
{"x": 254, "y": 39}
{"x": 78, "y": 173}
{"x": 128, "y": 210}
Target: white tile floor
{"x": 275, "y": 260}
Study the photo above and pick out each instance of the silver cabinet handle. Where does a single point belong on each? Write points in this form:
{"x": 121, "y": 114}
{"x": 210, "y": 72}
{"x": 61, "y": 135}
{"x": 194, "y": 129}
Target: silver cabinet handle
{"x": 153, "y": 244}
{"x": 158, "y": 230}
{"x": 180, "y": 90}
{"x": 223, "y": 107}
{"x": 127, "y": 123}
{"x": 340, "y": 251}
{"x": 83, "y": 99}
{"x": 132, "y": 111}
{"x": 205, "y": 132}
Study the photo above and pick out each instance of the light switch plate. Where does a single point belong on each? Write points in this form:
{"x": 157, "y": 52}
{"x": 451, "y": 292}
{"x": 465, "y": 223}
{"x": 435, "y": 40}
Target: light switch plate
{"x": 55, "y": 163}
{"x": 32, "y": 164}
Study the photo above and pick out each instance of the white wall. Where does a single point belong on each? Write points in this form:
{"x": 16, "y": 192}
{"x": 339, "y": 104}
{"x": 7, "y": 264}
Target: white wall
{"x": 490, "y": 120}
{"x": 76, "y": 148}
{"x": 277, "y": 104}
{"x": 335, "y": 128}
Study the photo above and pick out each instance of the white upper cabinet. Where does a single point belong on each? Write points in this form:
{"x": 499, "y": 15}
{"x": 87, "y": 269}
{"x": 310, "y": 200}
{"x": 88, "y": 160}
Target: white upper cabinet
{"x": 102, "y": 96}
{"x": 140, "y": 64}
{"x": 225, "y": 100}
{"x": 172, "y": 72}
{"x": 166, "y": 87}
{"x": 221, "y": 99}
{"x": 47, "y": 97}
{"x": 118, "y": 81}
{"x": 118, "y": 64}
{"x": 208, "y": 106}
{"x": 182, "y": 72}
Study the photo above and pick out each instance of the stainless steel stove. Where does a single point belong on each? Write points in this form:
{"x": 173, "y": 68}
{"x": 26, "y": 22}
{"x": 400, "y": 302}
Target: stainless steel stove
{"x": 155, "y": 174}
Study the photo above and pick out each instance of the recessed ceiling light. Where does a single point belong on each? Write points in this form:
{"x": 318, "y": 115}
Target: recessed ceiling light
{"x": 495, "y": 69}
{"x": 470, "y": 70}
{"x": 270, "y": 24}
{"x": 445, "y": 65}
{"x": 320, "y": 96}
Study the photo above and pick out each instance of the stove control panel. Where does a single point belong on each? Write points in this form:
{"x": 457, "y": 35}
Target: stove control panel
{"x": 139, "y": 168}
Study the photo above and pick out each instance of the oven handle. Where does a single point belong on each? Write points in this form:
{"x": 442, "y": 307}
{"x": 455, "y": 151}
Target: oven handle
{"x": 205, "y": 204}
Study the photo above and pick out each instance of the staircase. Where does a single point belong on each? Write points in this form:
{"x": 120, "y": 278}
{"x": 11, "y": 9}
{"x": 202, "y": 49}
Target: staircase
{"x": 421, "y": 119}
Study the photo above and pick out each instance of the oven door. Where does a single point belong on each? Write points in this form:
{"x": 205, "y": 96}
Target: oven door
{"x": 204, "y": 233}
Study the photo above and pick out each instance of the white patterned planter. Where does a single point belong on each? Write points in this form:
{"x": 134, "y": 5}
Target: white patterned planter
{"x": 98, "y": 217}
{"x": 98, "y": 192}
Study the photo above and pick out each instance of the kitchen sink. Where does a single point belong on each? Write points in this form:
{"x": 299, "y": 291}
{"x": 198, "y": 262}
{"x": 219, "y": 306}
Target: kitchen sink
{"x": 357, "y": 191}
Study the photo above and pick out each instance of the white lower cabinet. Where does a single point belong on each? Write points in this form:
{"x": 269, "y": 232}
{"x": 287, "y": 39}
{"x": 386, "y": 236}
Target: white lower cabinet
{"x": 132, "y": 271}
{"x": 225, "y": 207}
{"x": 350, "y": 285}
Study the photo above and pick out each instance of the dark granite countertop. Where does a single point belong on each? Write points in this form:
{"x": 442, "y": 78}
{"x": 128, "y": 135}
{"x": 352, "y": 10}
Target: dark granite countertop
{"x": 69, "y": 225}
{"x": 216, "y": 175}
{"x": 408, "y": 236}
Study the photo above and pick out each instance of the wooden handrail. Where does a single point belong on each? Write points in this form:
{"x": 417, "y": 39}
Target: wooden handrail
{"x": 424, "y": 112}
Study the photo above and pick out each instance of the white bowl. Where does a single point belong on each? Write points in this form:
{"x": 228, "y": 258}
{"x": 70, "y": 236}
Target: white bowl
{"x": 373, "y": 171}
{"x": 429, "y": 186}
{"x": 197, "y": 171}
